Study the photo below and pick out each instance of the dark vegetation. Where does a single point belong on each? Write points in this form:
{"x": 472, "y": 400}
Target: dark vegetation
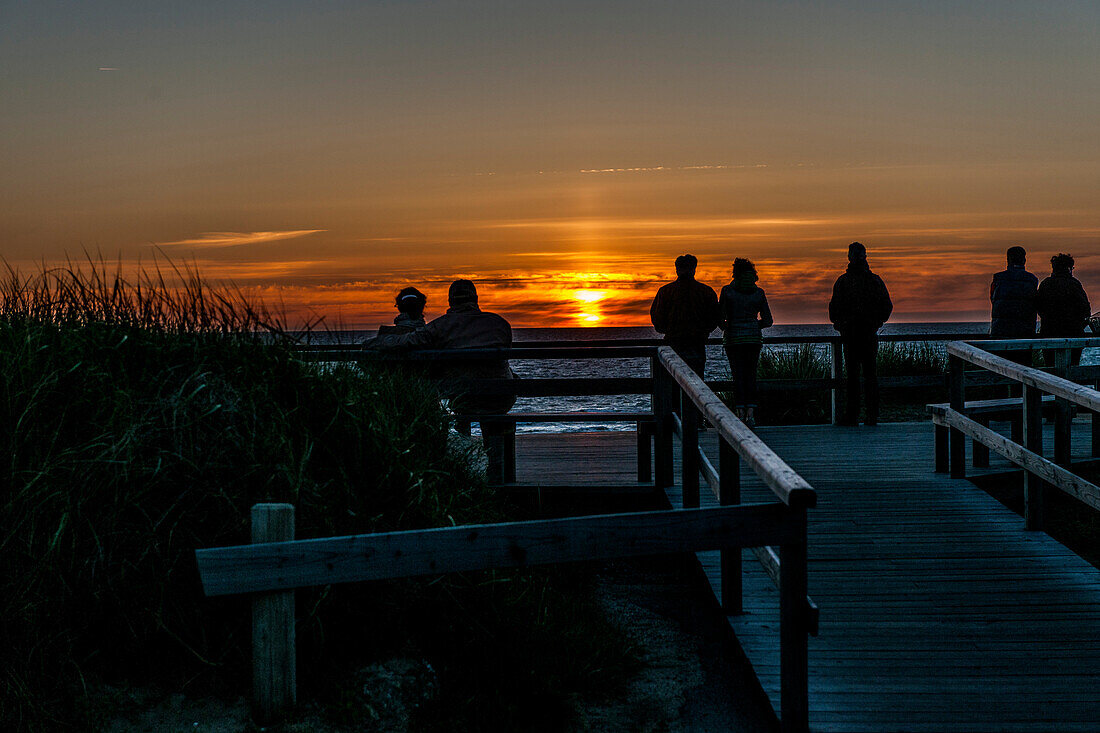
{"x": 141, "y": 420}
{"x": 810, "y": 361}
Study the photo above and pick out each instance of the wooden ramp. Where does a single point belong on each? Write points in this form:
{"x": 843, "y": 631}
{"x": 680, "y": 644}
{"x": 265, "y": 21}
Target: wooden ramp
{"x": 939, "y": 612}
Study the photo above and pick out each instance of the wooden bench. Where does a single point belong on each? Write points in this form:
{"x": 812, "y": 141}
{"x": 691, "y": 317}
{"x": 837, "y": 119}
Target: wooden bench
{"x": 502, "y": 470}
{"x": 983, "y": 412}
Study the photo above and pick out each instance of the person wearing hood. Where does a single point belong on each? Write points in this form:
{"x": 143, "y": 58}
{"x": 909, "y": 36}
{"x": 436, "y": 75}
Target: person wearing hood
{"x": 859, "y": 306}
{"x": 466, "y": 326}
{"x": 686, "y": 311}
{"x": 410, "y": 313}
{"x": 1012, "y": 295}
{"x": 744, "y": 313}
{"x": 1063, "y": 306}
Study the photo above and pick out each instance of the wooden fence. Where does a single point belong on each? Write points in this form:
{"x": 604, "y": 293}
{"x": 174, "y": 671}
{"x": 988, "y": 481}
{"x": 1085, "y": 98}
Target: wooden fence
{"x": 1039, "y": 471}
{"x": 276, "y": 564}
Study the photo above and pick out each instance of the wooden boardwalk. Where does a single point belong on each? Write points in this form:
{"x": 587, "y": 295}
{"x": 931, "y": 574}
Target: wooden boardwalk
{"x": 939, "y": 612}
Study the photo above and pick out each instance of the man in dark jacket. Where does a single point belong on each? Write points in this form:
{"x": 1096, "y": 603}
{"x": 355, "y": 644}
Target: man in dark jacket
{"x": 466, "y": 326}
{"x": 1062, "y": 305}
{"x": 858, "y": 308}
{"x": 686, "y": 311}
{"x": 1012, "y": 295}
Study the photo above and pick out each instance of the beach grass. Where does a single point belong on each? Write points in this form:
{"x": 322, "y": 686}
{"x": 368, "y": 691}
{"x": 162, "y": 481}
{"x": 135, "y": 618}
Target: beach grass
{"x": 142, "y": 419}
{"x": 810, "y": 361}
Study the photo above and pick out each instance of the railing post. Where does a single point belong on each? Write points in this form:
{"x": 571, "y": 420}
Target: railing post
{"x": 793, "y": 642}
{"x": 645, "y": 451}
{"x": 941, "y": 436}
{"x": 662, "y": 437}
{"x": 1033, "y": 441}
{"x": 1095, "y": 453}
{"x": 689, "y": 456}
{"x": 836, "y": 368}
{"x": 1063, "y": 414}
{"x": 957, "y": 368}
{"x": 729, "y": 493}
{"x": 274, "y": 686}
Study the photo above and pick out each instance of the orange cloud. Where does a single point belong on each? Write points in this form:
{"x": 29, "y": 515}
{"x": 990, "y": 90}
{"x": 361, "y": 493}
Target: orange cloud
{"x": 233, "y": 239}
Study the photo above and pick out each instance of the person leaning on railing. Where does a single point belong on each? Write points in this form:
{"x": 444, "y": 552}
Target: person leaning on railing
{"x": 1063, "y": 306}
{"x": 465, "y": 326}
{"x": 744, "y": 313}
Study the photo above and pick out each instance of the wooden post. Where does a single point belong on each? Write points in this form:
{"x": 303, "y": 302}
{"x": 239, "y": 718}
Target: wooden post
{"x": 509, "y": 440}
{"x": 1096, "y": 430}
{"x": 729, "y": 493}
{"x": 1033, "y": 441}
{"x": 980, "y": 451}
{"x": 1063, "y": 414}
{"x": 495, "y": 457}
{"x": 645, "y": 451}
{"x": 940, "y": 441}
{"x": 689, "y": 444}
{"x": 274, "y": 686}
{"x": 836, "y": 368}
{"x": 957, "y": 369}
{"x": 794, "y": 681}
{"x": 662, "y": 437}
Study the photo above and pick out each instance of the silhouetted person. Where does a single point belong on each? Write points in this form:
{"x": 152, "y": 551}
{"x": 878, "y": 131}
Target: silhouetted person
{"x": 466, "y": 326}
{"x": 1063, "y": 306}
{"x": 744, "y": 311}
{"x": 686, "y": 311}
{"x": 858, "y": 308}
{"x": 410, "y": 313}
{"x": 1012, "y": 295}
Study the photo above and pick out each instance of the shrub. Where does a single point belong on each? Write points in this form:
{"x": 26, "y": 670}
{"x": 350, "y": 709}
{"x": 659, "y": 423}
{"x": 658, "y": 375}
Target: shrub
{"x": 140, "y": 422}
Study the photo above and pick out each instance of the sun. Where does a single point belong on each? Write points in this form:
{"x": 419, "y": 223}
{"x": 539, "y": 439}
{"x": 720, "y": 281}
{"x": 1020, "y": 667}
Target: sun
{"x": 589, "y": 296}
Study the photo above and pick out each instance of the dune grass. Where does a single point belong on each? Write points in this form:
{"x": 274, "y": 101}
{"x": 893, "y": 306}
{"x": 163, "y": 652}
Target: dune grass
{"x": 811, "y": 361}
{"x": 141, "y": 420}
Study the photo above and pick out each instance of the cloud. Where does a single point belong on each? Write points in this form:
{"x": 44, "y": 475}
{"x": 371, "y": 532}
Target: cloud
{"x": 234, "y": 239}
{"x": 108, "y": 68}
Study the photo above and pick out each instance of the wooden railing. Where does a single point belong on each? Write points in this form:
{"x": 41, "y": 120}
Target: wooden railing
{"x": 1039, "y": 471}
{"x": 681, "y": 401}
{"x": 275, "y": 564}
{"x": 642, "y": 348}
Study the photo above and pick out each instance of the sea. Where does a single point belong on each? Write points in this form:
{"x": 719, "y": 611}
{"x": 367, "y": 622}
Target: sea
{"x": 717, "y": 367}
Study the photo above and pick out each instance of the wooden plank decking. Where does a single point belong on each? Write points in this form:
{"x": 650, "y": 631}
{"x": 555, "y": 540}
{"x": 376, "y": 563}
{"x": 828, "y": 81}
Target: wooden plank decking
{"x": 939, "y": 612}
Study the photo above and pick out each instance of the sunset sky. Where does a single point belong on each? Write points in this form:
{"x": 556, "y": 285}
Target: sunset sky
{"x": 561, "y": 154}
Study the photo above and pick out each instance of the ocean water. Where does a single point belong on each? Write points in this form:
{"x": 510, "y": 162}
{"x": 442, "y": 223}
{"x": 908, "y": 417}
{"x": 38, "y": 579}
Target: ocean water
{"x": 717, "y": 367}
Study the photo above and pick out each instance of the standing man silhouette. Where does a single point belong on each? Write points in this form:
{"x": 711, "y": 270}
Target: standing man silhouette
{"x": 859, "y": 306}
{"x": 686, "y": 311}
{"x": 1013, "y": 297}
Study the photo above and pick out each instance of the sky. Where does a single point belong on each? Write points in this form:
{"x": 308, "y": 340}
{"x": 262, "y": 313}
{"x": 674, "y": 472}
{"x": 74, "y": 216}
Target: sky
{"x": 323, "y": 155}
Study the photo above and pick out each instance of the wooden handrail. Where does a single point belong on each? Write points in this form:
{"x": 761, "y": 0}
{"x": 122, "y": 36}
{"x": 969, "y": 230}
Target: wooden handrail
{"x": 1083, "y": 342}
{"x": 791, "y": 488}
{"x": 1049, "y": 383}
{"x": 654, "y": 342}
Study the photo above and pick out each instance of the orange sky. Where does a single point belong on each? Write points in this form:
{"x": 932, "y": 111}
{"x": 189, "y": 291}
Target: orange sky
{"x": 560, "y": 156}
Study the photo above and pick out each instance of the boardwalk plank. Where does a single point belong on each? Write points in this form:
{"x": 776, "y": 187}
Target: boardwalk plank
{"x": 939, "y": 612}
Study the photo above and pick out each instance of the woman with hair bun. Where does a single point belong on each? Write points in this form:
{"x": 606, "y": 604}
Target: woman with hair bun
{"x": 410, "y": 313}
{"x": 744, "y": 310}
